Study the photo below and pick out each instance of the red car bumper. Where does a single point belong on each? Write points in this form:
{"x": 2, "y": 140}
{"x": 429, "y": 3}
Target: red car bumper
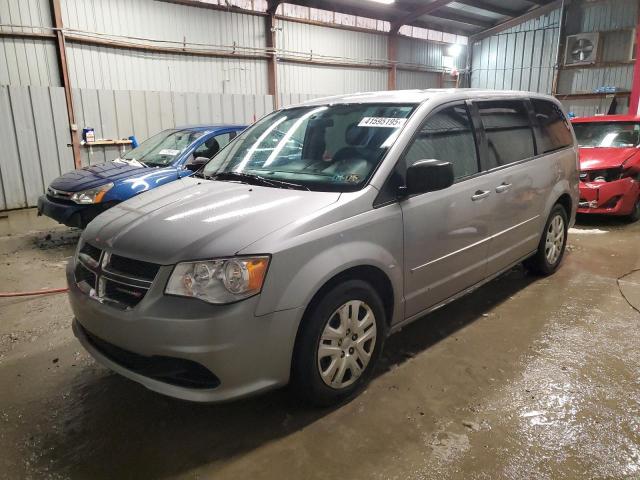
{"x": 610, "y": 198}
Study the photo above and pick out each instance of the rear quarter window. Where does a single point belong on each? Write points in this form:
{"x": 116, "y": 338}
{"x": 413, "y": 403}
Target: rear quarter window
{"x": 508, "y": 131}
{"x": 552, "y": 130}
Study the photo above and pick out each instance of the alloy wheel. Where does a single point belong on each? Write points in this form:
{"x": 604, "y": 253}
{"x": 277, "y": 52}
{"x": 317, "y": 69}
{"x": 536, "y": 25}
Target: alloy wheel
{"x": 555, "y": 239}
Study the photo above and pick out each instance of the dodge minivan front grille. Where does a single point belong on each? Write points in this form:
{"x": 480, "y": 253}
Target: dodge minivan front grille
{"x": 137, "y": 268}
{"x": 112, "y": 279}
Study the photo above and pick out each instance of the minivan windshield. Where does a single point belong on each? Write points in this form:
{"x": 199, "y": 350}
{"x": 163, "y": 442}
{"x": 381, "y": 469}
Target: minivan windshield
{"x": 607, "y": 134}
{"x": 164, "y": 148}
{"x": 322, "y": 148}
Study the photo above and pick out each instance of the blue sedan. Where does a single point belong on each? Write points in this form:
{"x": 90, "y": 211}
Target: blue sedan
{"x": 77, "y": 197}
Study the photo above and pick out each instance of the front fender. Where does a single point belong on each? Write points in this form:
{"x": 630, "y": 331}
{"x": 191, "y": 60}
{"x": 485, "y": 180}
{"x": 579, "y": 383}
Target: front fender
{"x": 130, "y": 187}
{"x": 297, "y": 273}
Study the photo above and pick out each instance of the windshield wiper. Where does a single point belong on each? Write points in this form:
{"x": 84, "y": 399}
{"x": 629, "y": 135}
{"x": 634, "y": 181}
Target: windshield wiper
{"x": 256, "y": 180}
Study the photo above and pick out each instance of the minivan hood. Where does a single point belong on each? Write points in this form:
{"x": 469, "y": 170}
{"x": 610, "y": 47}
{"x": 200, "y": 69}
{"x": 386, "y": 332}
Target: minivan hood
{"x": 602, "y": 158}
{"x": 96, "y": 175}
{"x": 193, "y": 219}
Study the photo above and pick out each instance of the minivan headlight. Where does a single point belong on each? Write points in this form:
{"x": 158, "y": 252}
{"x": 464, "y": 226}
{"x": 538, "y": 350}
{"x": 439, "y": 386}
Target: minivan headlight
{"x": 93, "y": 195}
{"x": 219, "y": 281}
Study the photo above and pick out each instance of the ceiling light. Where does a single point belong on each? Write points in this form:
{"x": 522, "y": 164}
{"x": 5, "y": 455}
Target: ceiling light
{"x": 455, "y": 50}
{"x": 386, "y": 2}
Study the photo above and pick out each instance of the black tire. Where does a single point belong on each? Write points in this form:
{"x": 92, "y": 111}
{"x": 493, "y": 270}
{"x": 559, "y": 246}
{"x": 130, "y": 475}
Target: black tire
{"x": 635, "y": 215}
{"x": 540, "y": 263}
{"x": 306, "y": 379}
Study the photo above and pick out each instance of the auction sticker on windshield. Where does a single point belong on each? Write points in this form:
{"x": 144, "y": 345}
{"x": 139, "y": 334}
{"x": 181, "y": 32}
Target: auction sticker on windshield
{"x": 168, "y": 151}
{"x": 384, "y": 122}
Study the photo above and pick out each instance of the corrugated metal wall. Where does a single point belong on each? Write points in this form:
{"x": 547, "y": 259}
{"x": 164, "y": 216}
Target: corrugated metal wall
{"x": 521, "y": 58}
{"x": 321, "y": 80}
{"x": 164, "y": 21}
{"x": 170, "y": 25}
{"x": 315, "y": 40}
{"x": 118, "y": 69}
{"x": 412, "y": 51}
{"x": 410, "y": 80}
{"x": 330, "y": 44}
{"x": 27, "y": 61}
{"x": 18, "y": 13}
{"x": 34, "y": 133}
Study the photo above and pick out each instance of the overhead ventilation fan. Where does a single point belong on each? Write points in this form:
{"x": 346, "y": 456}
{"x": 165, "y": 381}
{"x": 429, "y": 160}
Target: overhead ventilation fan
{"x": 582, "y": 49}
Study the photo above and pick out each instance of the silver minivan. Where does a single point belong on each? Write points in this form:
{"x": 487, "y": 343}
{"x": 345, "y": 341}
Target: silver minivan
{"x": 320, "y": 230}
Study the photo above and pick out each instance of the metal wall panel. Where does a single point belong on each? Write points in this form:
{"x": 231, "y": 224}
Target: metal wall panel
{"x": 119, "y": 69}
{"x": 590, "y": 107}
{"x": 164, "y": 21}
{"x": 25, "y": 16}
{"x": 34, "y": 133}
{"x": 313, "y": 40}
{"x": 413, "y": 51}
{"x": 603, "y": 15}
{"x": 521, "y": 58}
{"x": 407, "y": 80}
{"x": 287, "y": 99}
{"x": 586, "y": 80}
{"x": 321, "y": 80}
{"x": 25, "y": 61}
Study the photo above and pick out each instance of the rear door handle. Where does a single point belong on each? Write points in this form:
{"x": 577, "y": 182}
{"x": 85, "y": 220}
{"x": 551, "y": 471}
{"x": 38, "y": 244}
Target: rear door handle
{"x": 480, "y": 194}
{"x": 505, "y": 187}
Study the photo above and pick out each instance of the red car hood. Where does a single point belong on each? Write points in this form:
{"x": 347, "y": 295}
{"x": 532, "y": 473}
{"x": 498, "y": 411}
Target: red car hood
{"x": 601, "y": 158}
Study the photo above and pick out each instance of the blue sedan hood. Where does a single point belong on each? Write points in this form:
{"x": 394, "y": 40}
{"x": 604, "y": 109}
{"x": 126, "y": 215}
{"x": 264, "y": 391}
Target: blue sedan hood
{"x": 96, "y": 175}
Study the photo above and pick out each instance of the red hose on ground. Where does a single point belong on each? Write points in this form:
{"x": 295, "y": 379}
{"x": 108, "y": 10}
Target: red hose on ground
{"x": 36, "y": 292}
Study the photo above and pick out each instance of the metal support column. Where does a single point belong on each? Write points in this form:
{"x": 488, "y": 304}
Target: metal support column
{"x": 271, "y": 44}
{"x": 64, "y": 77}
{"x": 392, "y": 56}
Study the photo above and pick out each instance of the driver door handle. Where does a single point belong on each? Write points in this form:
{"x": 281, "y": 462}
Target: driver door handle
{"x": 505, "y": 187}
{"x": 480, "y": 194}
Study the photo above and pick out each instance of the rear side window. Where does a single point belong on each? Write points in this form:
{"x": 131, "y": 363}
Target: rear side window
{"x": 553, "y": 131}
{"x": 447, "y": 135}
{"x": 509, "y": 134}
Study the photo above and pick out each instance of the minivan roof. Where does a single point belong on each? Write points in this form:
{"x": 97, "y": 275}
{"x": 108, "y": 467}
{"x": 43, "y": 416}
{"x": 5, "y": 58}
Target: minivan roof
{"x": 419, "y": 96}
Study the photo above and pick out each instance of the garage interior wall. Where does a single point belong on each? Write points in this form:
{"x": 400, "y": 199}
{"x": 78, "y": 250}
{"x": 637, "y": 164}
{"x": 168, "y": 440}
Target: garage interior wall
{"x": 520, "y": 58}
{"x": 136, "y": 67}
{"x": 524, "y": 57}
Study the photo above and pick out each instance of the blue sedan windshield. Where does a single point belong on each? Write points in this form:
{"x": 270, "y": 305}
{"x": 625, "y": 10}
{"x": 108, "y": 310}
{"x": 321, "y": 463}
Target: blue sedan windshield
{"x": 164, "y": 148}
{"x": 324, "y": 148}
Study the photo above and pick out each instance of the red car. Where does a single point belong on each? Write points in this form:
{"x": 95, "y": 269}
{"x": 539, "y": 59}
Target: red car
{"x": 609, "y": 165}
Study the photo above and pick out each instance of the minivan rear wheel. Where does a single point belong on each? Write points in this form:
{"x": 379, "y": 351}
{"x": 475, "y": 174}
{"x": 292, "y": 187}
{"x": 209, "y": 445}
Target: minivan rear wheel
{"x": 552, "y": 244}
{"x": 339, "y": 343}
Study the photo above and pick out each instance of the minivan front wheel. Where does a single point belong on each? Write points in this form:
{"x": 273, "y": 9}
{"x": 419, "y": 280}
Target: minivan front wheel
{"x": 339, "y": 343}
{"x": 552, "y": 244}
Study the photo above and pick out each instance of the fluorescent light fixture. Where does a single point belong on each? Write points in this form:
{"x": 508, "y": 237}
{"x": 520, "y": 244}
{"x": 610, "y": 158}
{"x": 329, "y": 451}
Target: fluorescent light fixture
{"x": 386, "y": 2}
{"x": 455, "y": 50}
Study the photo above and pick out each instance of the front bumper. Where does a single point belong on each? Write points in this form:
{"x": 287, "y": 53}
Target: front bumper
{"x": 245, "y": 353}
{"x": 609, "y": 198}
{"x": 71, "y": 214}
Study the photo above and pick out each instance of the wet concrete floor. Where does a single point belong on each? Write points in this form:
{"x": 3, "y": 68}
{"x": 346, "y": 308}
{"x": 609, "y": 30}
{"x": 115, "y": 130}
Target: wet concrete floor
{"x": 524, "y": 378}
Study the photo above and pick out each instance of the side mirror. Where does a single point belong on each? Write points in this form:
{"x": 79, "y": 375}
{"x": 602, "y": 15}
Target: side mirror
{"x": 195, "y": 164}
{"x": 428, "y": 176}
